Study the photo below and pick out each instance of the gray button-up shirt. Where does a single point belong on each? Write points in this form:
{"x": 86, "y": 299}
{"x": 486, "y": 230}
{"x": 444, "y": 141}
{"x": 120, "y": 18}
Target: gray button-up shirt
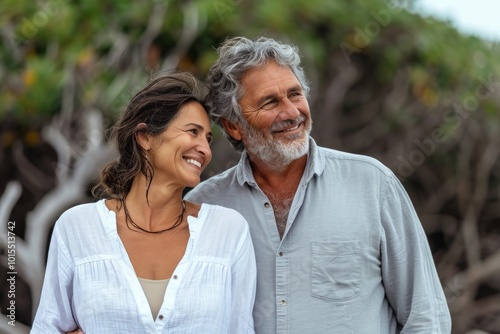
{"x": 354, "y": 257}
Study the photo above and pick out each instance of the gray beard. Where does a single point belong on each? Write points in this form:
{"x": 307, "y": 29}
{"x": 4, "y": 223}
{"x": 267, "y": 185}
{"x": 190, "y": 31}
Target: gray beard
{"x": 275, "y": 153}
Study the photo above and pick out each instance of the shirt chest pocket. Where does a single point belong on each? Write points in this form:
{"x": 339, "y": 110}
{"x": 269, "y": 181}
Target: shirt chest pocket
{"x": 335, "y": 270}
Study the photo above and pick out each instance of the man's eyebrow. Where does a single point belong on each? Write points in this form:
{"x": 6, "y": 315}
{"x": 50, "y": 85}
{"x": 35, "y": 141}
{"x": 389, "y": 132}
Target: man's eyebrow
{"x": 295, "y": 88}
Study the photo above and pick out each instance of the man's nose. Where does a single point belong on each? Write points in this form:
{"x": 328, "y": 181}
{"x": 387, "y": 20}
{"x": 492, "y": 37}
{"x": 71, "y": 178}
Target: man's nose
{"x": 288, "y": 110}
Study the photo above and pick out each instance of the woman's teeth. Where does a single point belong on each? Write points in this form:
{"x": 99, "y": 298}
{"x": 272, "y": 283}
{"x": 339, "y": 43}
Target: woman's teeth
{"x": 193, "y": 162}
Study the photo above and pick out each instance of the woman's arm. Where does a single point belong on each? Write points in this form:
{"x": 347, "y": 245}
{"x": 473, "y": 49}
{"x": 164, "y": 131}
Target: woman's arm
{"x": 244, "y": 278}
{"x": 54, "y": 314}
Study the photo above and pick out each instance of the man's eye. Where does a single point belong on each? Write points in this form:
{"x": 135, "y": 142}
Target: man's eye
{"x": 269, "y": 105}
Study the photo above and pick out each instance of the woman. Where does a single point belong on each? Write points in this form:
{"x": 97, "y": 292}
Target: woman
{"x": 142, "y": 260}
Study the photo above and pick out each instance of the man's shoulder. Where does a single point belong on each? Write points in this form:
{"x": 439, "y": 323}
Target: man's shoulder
{"x": 223, "y": 178}
{"x": 208, "y": 190}
{"x": 352, "y": 160}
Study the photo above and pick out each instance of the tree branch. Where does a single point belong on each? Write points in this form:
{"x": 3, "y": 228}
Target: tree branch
{"x": 193, "y": 24}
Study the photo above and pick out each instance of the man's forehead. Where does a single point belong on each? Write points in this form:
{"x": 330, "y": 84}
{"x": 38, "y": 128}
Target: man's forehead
{"x": 271, "y": 69}
{"x": 269, "y": 77}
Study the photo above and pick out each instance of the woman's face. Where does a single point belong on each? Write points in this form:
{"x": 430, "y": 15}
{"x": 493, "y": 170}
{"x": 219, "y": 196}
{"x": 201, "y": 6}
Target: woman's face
{"x": 182, "y": 151}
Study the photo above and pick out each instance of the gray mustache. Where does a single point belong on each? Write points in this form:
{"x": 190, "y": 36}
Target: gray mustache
{"x": 288, "y": 123}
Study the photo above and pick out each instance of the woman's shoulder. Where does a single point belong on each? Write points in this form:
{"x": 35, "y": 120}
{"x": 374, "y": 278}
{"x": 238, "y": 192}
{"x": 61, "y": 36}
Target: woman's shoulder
{"x": 225, "y": 211}
{"x": 220, "y": 229}
{"x": 80, "y": 216}
{"x": 81, "y": 211}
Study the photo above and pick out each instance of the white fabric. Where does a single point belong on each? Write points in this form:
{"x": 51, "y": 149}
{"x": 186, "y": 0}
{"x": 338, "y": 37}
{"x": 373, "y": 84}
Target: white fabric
{"x": 90, "y": 282}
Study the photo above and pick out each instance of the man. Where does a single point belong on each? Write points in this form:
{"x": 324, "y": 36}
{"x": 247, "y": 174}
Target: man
{"x": 338, "y": 244}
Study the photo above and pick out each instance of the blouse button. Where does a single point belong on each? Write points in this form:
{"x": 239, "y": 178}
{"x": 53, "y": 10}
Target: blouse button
{"x": 280, "y": 253}
{"x": 283, "y": 302}
{"x": 174, "y": 277}
{"x": 267, "y": 205}
{"x": 160, "y": 316}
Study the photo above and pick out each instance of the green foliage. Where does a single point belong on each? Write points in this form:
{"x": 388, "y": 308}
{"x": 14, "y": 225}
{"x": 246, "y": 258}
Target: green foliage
{"x": 382, "y": 77}
{"x": 62, "y": 32}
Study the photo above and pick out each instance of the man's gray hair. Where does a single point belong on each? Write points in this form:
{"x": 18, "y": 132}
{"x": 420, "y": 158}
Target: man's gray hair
{"x": 236, "y": 56}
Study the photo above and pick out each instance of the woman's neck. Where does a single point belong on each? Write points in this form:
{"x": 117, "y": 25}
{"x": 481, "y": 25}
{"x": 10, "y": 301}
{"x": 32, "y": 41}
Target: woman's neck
{"x": 153, "y": 207}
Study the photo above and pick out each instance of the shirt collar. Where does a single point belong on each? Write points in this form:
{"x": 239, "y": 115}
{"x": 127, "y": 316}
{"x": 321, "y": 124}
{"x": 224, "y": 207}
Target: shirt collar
{"x": 315, "y": 165}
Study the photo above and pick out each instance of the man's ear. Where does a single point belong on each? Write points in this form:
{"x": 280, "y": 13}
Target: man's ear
{"x": 142, "y": 137}
{"x": 232, "y": 129}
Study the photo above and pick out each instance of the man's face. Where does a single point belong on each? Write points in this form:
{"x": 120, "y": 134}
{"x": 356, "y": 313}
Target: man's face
{"x": 277, "y": 115}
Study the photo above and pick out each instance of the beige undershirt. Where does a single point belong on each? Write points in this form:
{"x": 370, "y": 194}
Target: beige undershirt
{"x": 154, "y": 291}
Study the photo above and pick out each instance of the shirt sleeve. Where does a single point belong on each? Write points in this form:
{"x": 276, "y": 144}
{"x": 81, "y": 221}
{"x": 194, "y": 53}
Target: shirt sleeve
{"x": 244, "y": 278}
{"x": 409, "y": 275}
{"x": 54, "y": 314}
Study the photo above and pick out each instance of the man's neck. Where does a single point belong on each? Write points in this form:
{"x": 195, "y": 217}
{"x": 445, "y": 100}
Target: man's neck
{"x": 267, "y": 177}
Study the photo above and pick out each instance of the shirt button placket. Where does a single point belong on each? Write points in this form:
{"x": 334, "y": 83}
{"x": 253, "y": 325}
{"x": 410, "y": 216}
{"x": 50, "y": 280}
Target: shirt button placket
{"x": 282, "y": 291}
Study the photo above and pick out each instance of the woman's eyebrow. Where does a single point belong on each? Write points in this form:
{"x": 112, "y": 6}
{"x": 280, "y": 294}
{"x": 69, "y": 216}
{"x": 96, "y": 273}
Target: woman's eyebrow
{"x": 195, "y": 125}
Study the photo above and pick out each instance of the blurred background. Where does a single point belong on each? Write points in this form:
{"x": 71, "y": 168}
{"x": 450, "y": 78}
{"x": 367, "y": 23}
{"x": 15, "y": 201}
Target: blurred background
{"x": 420, "y": 93}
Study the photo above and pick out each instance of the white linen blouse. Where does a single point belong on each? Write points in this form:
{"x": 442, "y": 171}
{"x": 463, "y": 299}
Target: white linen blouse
{"x": 91, "y": 284}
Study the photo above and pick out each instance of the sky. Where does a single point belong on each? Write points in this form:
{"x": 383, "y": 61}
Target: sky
{"x": 476, "y": 17}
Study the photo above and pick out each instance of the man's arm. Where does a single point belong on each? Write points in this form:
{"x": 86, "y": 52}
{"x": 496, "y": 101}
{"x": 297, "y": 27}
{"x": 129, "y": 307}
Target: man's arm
{"x": 409, "y": 275}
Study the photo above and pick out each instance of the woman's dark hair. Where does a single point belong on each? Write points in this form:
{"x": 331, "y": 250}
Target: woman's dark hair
{"x": 156, "y": 106}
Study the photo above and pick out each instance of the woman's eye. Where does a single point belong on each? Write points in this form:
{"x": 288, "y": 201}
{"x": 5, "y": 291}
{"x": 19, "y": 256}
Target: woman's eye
{"x": 194, "y": 131}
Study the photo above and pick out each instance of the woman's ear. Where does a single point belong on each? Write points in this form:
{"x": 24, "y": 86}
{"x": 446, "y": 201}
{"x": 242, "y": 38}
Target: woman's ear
{"x": 232, "y": 129}
{"x": 142, "y": 137}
